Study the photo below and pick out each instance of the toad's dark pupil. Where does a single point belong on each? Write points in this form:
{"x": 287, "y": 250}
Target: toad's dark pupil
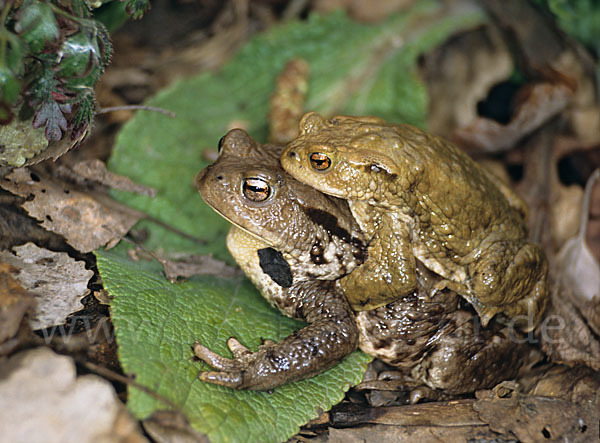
{"x": 221, "y": 140}
{"x": 320, "y": 161}
{"x": 256, "y": 189}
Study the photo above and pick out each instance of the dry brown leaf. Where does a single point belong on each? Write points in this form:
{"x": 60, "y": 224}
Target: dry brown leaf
{"x": 14, "y": 302}
{"x": 565, "y": 212}
{"x": 533, "y": 419}
{"x": 57, "y": 281}
{"x": 377, "y": 433}
{"x": 287, "y": 103}
{"x": 362, "y": 10}
{"x": 579, "y": 269}
{"x": 87, "y": 221}
{"x": 95, "y": 171}
{"x": 447, "y": 413}
{"x": 197, "y": 265}
{"x": 540, "y": 102}
{"x": 578, "y": 385}
{"x": 42, "y": 399}
{"x": 575, "y": 300}
{"x": 565, "y": 334}
{"x": 460, "y": 73}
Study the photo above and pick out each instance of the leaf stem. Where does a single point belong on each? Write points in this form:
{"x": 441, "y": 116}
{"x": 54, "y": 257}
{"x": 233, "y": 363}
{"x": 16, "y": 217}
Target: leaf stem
{"x": 136, "y": 107}
{"x": 3, "y": 32}
{"x": 60, "y": 11}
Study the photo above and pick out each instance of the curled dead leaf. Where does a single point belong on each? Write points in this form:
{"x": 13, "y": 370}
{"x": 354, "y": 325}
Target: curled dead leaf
{"x": 539, "y": 103}
{"x": 530, "y": 419}
{"x": 460, "y": 74}
{"x": 95, "y": 171}
{"x": 287, "y": 103}
{"x": 57, "y": 281}
{"x": 579, "y": 269}
{"x": 14, "y": 302}
{"x": 86, "y": 220}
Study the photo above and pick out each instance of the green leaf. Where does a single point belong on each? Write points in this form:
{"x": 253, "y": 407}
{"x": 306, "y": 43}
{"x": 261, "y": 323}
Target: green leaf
{"x": 37, "y": 25}
{"x": 157, "y": 323}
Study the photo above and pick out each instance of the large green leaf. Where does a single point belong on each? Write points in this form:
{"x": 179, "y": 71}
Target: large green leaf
{"x": 355, "y": 69}
{"x": 156, "y": 324}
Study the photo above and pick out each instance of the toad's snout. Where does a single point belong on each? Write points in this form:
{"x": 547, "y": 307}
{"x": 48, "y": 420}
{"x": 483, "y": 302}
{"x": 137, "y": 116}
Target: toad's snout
{"x": 200, "y": 177}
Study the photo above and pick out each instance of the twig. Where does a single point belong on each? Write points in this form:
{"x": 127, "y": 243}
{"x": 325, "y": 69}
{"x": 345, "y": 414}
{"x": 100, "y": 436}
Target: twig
{"x": 112, "y": 375}
{"x": 136, "y": 107}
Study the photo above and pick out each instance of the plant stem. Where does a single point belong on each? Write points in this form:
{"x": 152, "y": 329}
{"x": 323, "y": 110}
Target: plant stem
{"x": 3, "y": 32}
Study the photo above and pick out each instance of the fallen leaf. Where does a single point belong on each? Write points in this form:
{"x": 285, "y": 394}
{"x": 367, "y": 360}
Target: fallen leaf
{"x": 565, "y": 335}
{"x": 86, "y": 220}
{"x": 364, "y": 11}
{"x": 287, "y": 103}
{"x": 16, "y": 228}
{"x": 156, "y": 323}
{"x": 460, "y": 74}
{"x": 579, "y": 385}
{"x": 198, "y": 265}
{"x": 565, "y": 212}
{"x": 532, "y": 419}
{"x": 42, "y": 399}
{"x": 14, "y": 302}
{"x": 57, "y": 281}
{"x": 20, "y": 142}
{"x": 569, "y": 334}
{"x": 95, "y": 171}
{"x": 579, "y": 269}
{"x": 540, "y": 102}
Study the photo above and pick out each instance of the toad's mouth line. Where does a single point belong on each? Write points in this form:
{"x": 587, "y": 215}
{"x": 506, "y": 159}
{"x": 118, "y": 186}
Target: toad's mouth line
{"x": 262, "y": 240}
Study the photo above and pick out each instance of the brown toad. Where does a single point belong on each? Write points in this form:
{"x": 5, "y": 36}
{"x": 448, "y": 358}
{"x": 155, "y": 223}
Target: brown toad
{"x": 418, "y": 197}
{"x": 295, "y": 243}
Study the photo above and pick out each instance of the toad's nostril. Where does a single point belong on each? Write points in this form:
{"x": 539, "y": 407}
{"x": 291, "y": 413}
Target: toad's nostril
{"x": 219, "y": 177}
{"x": 292, "y": 154}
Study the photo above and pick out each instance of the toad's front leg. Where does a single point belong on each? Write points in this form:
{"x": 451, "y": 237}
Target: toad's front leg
{"x": 389, "y": 272}
{"x": 331, "y": 335}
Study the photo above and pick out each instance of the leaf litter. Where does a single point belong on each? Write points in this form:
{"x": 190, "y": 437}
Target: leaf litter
{"x": 57, "y": 281}
{"x": 87, "y": 221}
{"x": 15, "y": 301}
{"x": 582, "y": 116}
{"x": 42, "y": 399}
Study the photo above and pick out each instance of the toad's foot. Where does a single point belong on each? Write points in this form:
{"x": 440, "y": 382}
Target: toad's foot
{"x": 486, "y": 313}
{"x": 231, "y": 372}
{"x": 331, "y": 335}
{"x": 511, "y": 279}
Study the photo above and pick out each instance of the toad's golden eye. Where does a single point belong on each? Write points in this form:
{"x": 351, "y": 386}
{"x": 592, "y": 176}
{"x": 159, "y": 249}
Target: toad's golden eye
{"x": 256, "y": 189}
{"x": 320, "y": 161}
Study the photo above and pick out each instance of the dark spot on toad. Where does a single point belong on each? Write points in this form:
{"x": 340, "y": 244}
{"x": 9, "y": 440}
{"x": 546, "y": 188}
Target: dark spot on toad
{"x": 275, "y": 266}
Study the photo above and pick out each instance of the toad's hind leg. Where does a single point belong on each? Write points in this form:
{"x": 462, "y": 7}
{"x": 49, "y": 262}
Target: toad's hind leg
{"x": 512, "y": 279}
